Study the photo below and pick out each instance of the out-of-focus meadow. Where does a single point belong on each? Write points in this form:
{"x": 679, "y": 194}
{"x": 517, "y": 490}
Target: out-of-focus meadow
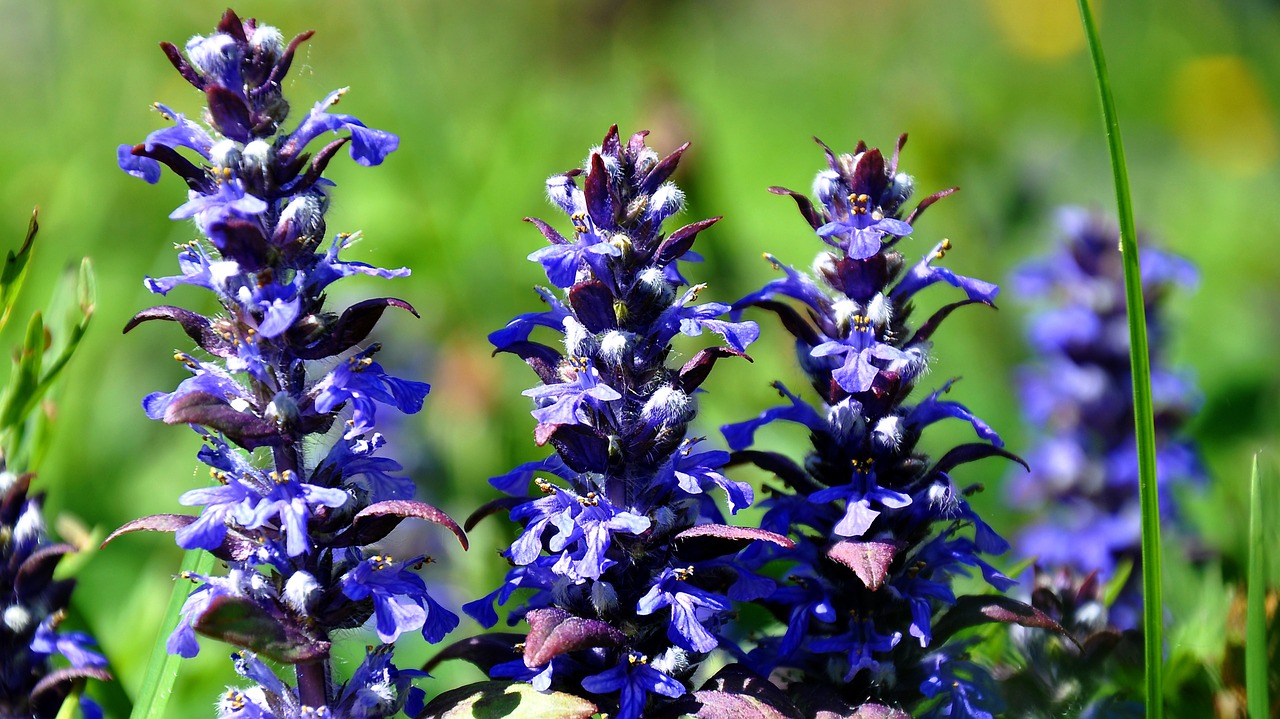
{"x": 491, "y": 98}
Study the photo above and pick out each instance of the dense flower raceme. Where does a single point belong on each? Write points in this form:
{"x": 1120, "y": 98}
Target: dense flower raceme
{"x": 1077, "y": 673}
{"x": 294, "y": 530}
{"x": 630, "y": 565}
{"x": 32, "y": 604}
{"x": 1078, "y": 390}
{"x": 880, "y": 528}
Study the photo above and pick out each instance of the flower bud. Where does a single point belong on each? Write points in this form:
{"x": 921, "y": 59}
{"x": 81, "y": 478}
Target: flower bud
{"x": 666, "y": 407}
{"x": 226, "y": 154}
{"x": 826, "y": 186}
{"x": 666, "y": 201}
{"x": 217, "y": 57}
{"x": 301, "y": 591}
{"x": 267, "y": 43}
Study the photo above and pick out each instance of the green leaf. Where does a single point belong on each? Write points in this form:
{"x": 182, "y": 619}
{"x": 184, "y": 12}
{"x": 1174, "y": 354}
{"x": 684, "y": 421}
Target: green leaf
{"x": 1140, "y": 364}
{"x": 162, "y": 668}
{"x": 1111, "y": 591}
{"x": 493, "y": 700}
{"x": 15, "y": 270}
{"x": 25, "y": 377}
{"x": 77, "y": 324}
{"x": 1255, "y": 642}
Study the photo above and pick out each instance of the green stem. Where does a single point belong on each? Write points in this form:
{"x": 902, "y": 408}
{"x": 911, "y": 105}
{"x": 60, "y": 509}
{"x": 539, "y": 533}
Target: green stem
{"x": 162, "y": 669}
{"x": 1144, "y": 425}
{"x": 1255, "y": 636}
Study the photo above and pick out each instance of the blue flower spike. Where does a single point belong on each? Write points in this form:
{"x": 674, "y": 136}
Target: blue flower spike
{"x": 623, "y": 543}
{"x": 275, "y": 370}
{"x": 867, "y": 604}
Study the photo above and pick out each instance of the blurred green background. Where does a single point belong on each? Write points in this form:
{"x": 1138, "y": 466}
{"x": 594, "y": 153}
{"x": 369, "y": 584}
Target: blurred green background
{"x": 491, "y": 98}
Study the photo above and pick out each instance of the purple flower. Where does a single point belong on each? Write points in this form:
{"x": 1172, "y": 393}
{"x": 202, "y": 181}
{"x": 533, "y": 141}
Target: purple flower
{"x": 874, "y": 519}
{"x": 625, "y": 494}
{"x": 282, "y": 368}
{"x": 568, "y": 402}
{"x": 362, "y": 382}
{"x": 1078, "y": 393}
{"x": 634, "y": 681}
{"x": 690, "y": 608}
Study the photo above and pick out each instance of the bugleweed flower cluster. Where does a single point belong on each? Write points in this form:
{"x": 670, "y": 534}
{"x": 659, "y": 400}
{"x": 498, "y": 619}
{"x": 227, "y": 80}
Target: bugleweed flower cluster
{"x": 1079, "y": 391}
{"x": 32, "y": 604}
{"x": 276, "y": 371}
{"x": 624, "y": 548}
{"x": 625, "y": 574}
{"x": 880, "y": 527}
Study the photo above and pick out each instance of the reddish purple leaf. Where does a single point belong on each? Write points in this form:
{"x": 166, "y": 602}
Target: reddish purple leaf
{"x": 549, "y": 232}
{"x": 659, "y": 173}
{"x": 972, "y": 610}
{"x": 355, "y": 324}
{"x": 870, "y": 561}
{"x": 695, "y": 371}
{"x": 706, "y": 541}
{"x": 152, "y": 523}
{"x": 483, "y": 651}
{"x": 208, "y": 410}
{"x": 377, "y": 520}
{"x": 806, "y": 207}
{"x": 36, "y": 571}
{"x": 737, "y": 692}
{"x": 596, "y": 193}
{"x": 48, "y": 695}
{"x": 242, "y": 623}
{"x": 198, "y": 327}
{"x": 681, "y": 241}
{"x": 553, "y": 632}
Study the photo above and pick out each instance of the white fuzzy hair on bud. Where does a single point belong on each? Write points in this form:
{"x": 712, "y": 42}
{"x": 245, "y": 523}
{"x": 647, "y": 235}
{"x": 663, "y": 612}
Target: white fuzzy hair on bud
{"x": 943, "y": 496}
{"x": 902, "y": 187}
{"x": 30, "y": 525}
{"x": 17, "y": 618}
{"x": 824, "y": 263}
{"x": 845, "y": 418}
{"x": 562, "y": 192}
{"x": 887, "y": 435}
{"x": 845, "y": 310}
{"x": 826, "y": 186}
{"x": 879, "y": 310}
{"x": 604, "y": 597}
{"x": 647, "y": 159}
{"x": 301, "y": 592}
{"x": 578, "y": 341}
{"x": 666, "y": 201}
{"x": 672, "y": 662}
{"x": 214, "y": 55}
{"x": 257, "y": 157}
{"x": 225, "y": 153}
{"x": 268, "y": 41}
{"x": 667, "y": 406}
{"x": 611, "y": 165}
{"x": 614, "y": 347}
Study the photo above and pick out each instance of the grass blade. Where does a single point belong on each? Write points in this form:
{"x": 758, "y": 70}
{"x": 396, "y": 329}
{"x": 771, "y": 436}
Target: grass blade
{"x": 1144, "y": 425}
{"x": 1255, "y": 642}
{"x": 162, "y": 668}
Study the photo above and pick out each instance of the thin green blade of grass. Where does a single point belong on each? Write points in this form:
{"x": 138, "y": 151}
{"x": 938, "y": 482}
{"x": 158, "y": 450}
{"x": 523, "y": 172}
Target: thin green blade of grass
{"x": 162, "y": 667}
{"x": 1144, "y": 425}
{"x": 1255, "y": 642}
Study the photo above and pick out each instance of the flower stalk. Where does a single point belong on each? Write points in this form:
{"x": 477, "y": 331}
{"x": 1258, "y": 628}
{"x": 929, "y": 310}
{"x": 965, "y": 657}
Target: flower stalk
{"x": 274, "y": 372}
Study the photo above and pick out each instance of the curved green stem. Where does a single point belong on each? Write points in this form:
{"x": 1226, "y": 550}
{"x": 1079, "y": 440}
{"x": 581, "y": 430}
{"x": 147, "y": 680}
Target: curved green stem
{"x": 1144, "y": 425}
